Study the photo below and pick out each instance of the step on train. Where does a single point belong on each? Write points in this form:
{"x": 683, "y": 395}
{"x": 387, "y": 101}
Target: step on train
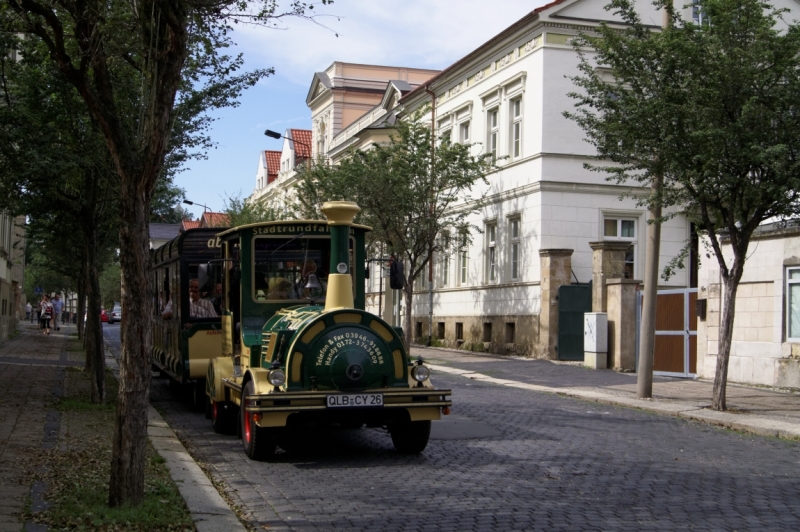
{"x": 264, "y": 325}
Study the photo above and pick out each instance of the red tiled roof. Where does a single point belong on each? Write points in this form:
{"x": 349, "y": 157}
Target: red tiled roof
{"x": 214, "y": 219}
{"x": 302, "y": 148}
{"x": 273, "y": 159}
{"x": 533, "y": 15}
{"x": 189, "y": 224}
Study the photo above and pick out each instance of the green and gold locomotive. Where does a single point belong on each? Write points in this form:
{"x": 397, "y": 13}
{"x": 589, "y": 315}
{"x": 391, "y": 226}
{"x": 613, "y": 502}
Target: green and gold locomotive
{"x": 298, "y": 348}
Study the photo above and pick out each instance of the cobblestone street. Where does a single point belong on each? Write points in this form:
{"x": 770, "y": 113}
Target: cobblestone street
{"x": 511, "y": 460}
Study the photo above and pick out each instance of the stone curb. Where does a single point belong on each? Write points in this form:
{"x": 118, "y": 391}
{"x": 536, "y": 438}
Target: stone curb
{"x": 209, "y": 510}
{"x": 745, "y": 423}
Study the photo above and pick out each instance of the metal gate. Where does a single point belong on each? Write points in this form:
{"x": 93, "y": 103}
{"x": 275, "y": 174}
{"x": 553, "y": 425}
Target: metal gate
{"x": 675, "y": 352}
{"x": 573, "y": 302}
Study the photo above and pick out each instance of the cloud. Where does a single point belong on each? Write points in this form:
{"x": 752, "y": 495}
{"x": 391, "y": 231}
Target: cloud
{"x": 413, "y": 33}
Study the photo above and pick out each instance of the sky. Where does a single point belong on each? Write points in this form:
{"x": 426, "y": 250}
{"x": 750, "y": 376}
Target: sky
{"x": 413, "y": 33}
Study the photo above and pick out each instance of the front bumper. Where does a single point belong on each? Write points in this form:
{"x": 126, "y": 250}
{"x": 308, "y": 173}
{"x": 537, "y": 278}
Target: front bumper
{"x": 306, "y": 401}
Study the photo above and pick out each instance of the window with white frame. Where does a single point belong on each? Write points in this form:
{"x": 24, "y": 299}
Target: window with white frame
{"x": 793, "y": 304}
{"x": 624, "y": 230}
{"x": 463, "y": 132}
{"x": 493, "y": 131}
{"x": 491, "y": 252}
{"x": 698, "y": 17}
{"x": 515, "y": 118}
{"x": 463, "y": 259}
{"x": 514, "y": 238}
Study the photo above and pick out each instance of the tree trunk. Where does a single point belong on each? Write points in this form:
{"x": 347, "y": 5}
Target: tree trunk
{"x": 130, "y": 428}
{"x": 408, "y": 292}
{"x": 731, "y": 286}
{"x": 95, "y": 356}
{"x": 81, "y": 310}
{"x": 647, "y": 338}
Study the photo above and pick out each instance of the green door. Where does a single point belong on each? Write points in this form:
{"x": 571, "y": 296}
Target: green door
{"x": 573, "y": 302}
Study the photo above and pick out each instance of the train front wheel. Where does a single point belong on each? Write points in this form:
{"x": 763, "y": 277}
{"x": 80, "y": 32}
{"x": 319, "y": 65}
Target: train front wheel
{"x": 410, "y": 437}
{"x": 259, "y": 442}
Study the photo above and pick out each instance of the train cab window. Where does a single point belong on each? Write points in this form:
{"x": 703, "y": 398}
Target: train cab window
{"x": 290, "y": 269}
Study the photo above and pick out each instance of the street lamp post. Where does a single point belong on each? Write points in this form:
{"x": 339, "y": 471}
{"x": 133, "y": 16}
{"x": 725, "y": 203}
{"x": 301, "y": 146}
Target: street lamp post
{"x": 187, "y": 202}
{"x": 275, "y": 135}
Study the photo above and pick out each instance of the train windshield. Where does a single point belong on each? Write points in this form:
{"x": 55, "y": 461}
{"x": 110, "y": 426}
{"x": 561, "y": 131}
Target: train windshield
{"x": 294, "y": 269}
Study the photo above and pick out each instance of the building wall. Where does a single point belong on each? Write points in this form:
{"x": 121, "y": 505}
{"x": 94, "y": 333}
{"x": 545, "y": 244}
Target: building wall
{"x": 559, "y": 203}
{"x": 12, "y": 245}
{"x": 761, "y": 352}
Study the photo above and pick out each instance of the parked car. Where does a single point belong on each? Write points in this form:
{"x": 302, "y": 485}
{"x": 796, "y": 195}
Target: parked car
{"x": 116, "y": 315}
{"x": 103, "y": 315}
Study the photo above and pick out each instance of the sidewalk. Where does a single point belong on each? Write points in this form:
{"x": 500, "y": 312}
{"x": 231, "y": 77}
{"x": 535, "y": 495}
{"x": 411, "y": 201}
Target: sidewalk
{"x": 31, "y": 373}
{"x": 759, "y": 411}
{"x": 32, "y": 368}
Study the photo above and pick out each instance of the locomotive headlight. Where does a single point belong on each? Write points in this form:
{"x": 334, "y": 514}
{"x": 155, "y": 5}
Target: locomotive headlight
{"x": 420, "y": 373}
{"x": 276, "y": 377}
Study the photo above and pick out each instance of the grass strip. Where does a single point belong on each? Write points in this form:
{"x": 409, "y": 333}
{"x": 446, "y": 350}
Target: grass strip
{"x": 77, "y": 472}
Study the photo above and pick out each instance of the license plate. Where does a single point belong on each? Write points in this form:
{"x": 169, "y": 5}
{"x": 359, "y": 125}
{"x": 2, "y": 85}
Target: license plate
{"x": 354, "y": 400}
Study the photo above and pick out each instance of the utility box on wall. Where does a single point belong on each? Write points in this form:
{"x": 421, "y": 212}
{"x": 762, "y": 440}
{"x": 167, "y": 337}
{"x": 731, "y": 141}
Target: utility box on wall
{"x": 595, "y": 340}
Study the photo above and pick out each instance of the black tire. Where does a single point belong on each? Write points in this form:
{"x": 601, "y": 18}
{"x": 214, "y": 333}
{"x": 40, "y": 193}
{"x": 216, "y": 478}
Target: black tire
{"x": 410, "y": 437}
{"x": 223, "y": 417}
{"x": 198, "y": 396}
{"x": 259, "y": 442}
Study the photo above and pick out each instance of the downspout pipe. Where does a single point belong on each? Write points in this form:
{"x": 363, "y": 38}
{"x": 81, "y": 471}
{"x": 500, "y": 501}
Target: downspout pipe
{"x": 430, "y": 253}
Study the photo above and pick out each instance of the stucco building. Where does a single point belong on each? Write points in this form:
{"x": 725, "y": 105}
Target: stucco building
{"x": 12, "y": 267}
{"x": 544, "y": 217}
{"x": 765, "y": 349}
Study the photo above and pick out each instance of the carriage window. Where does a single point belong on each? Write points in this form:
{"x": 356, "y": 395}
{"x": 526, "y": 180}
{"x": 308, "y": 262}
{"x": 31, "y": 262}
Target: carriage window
{"x": 208, "y": 277}
{"x": 290, "y": 269}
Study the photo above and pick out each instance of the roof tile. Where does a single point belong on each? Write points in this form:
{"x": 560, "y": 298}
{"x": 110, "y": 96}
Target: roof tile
{"x": 273, "y": 159}
{"x": 302, "y": 148}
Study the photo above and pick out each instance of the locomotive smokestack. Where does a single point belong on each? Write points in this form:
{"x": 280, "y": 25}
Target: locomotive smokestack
{"x": 340, "y": 216}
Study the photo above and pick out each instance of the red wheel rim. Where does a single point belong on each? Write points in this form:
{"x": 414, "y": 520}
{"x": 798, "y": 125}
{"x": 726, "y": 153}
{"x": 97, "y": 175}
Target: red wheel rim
{"x": 247, "y": 422}
{"x": 214, "y": 409}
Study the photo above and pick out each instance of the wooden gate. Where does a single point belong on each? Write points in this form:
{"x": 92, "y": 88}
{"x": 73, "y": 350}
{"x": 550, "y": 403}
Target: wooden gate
{"x": 676, "y": 333}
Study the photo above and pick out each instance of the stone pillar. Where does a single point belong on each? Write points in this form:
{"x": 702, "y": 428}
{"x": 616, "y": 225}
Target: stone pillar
{"x": 556, "y": 271}
{"x": 622, "y": 323}
{"x": 608, "y": 262}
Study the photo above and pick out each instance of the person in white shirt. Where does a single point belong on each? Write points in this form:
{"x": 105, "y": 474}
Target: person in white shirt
{"x": 199, "y": 308}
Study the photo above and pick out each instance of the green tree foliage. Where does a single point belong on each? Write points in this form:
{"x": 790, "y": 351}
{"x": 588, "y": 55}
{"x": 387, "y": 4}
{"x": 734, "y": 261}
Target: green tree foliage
{"x": 166, "y": 205}
{"x": 410, "y": 194}
{"x": 110, "y": 284}
{"x": 243, "y": 211}
{"x": 145, "y": 73}
{"x": 711, "y": 106}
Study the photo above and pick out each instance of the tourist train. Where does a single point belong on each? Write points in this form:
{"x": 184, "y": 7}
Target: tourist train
{"x": 292, "y": 344}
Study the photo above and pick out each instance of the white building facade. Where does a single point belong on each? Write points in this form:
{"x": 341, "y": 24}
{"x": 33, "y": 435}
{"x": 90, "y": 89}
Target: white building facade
{"x": 509, "y": 95}
{"x": 765, "y": 348}
{"x": 506, "y": 97}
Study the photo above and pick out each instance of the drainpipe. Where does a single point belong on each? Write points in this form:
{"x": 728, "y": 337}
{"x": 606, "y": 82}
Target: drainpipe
{"x": 430, "y": 253}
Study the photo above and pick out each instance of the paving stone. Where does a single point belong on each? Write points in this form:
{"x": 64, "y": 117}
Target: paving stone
{"x": 555, "y": 463}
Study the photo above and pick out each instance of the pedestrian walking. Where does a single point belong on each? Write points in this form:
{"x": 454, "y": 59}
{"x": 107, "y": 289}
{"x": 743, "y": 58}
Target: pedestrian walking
{"x": 47, "y": 314}
{"x": 58, "y": 306}
{"x": 28, "y": 311}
